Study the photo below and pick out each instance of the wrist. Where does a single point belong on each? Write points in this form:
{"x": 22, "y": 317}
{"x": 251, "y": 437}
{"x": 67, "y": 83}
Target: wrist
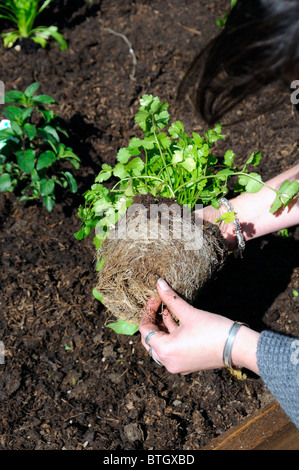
{"x": 244, "y": 350}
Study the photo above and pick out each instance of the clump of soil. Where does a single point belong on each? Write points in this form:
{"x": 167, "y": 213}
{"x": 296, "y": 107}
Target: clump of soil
{"x": 156, "y": 238}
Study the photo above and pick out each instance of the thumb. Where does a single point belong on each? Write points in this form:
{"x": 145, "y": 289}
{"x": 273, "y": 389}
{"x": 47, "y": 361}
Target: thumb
{"x": 177, "y": 306}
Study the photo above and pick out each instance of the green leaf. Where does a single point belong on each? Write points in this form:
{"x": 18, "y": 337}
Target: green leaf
{"x": 122, "y": 327}
{"x": 177, "y": 157}
{"x": 30, "y": 130}
{"x": 97, "y": 295}
{"x": 252, "y": 182}
{"x": 123, "y": 155}
{"x": 45, "y": 160}
{"x": 50, "y": 130}
{"x": 229, "y": 157}
{"x": 49, "y": 202}
{"x": 164, "y": 140}
{"x": 227, "y": 217}
{"x": 203, "y": 151}
{"x": 42, "y": 33}
{"x": 71, "y": 181}
{"x": 146, "y": 100}
{"x": 26, "y": 160}
{"x": 46, "y": 187}
{"x": 104, "y": 174}
{"x": 14, "y": 96}
{"x": 224, "y": 174}
{"x": 141, "y": 119}
{"x": 189, "y": 164}
{"x": 82, "y": 233}
{"x": 176, "y": 129}
{"x": 286, "y": 192}
{"x": 148, "y": 143}
{"x": 17, "y": 129}
{"x": 40, "y": 40}
{"x": 101, "y": 205}
{"x": 254, "y": 159}
{"x": 214, "y": 134}
{"x": 120, "y": 171}
{"x": 31, "y": 89}
{"x": 26, "y": 113}
{"x": 5, "y": 182}
{"x": 43, "y": 99}
{"x": 6, "y": 134}
{"x": 13, "y": 113}
{"x": 290, "y": 188}
{"x": 97, "y": 241}
{"x": 197, "y": 139}
{"x": 135, "y": 165}
{"x": 48, "y": 114}
{"x": 277, "y": 204}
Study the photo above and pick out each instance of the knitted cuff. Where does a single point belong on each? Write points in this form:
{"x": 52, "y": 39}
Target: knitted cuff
{"x": 278, "y": 363}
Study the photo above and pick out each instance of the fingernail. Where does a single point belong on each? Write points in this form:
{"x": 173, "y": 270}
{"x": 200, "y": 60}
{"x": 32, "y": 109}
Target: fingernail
{"x": 163, "y": 284}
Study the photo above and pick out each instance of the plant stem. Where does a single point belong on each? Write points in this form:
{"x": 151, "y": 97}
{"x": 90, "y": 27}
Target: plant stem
{"x": 161, "y": 153}
{"x": 144, "y": 176}
{"x": 241, "y": 173}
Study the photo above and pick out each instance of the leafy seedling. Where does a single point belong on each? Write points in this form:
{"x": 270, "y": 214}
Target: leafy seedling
{"x": 23, "y": 13}
{"x": 32, "y": 155}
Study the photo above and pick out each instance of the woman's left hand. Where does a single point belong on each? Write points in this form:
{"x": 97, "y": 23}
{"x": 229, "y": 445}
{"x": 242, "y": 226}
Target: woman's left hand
{"x": 195, "y": 344}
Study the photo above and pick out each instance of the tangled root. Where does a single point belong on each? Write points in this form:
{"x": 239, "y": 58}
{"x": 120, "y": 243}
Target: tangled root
{"x": 148, "y": 244}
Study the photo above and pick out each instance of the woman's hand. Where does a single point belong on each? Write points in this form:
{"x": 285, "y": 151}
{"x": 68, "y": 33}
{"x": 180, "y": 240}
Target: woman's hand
{"x": 253, "y": 211}
{"x": 197, "y": 342}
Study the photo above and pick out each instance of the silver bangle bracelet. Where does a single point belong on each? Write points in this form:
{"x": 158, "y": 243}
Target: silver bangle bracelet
{"x": 241, "y": 243}
{"x": 227, "y": 350}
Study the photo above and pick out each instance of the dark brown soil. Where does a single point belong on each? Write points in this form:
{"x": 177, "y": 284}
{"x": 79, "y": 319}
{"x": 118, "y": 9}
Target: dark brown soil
{"x": 69, "y": 382}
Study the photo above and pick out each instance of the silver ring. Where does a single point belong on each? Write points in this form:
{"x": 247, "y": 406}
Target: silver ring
{"x": 149, "y": 335}
{"x": 156, "y": 361}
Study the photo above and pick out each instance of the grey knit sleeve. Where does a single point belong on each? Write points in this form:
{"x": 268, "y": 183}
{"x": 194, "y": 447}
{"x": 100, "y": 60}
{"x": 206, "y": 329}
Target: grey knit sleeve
{"x": 278, "y": 363}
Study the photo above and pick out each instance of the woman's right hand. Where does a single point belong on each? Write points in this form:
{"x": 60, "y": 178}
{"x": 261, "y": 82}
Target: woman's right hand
{"x": 210, "y": 214}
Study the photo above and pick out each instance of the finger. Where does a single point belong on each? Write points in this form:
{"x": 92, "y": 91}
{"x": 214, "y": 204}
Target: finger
{"x": 148, "y": 316}
{"x": 178, "y": 307}
{"x": 148, "y": 319}
{"x": 152, "y": 307}
{"x": 168, "y": 321}
{"x": 155, "y": 356}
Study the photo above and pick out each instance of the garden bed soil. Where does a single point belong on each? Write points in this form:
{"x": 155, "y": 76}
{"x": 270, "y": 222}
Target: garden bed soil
{"x": 68, "y": 381}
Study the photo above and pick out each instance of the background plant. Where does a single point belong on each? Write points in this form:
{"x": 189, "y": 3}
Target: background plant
{"x": 32, "y": 157}
{"x": 23, "y": 13}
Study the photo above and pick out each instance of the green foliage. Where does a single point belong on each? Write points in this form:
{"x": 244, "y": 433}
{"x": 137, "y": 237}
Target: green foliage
{"x": 32, "y": 154}
{"x": 284, "y": 233}
{"x": 122, "y": 327}
{"x": 221, "y": 22}
{"x": 163, "y": 164}
{"x": 23, "y": 14}
{"x": 167, "y": 163}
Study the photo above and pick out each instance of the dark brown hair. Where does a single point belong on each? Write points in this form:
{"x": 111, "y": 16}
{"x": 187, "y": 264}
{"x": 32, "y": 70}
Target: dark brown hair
{"x": 258, "y": 45}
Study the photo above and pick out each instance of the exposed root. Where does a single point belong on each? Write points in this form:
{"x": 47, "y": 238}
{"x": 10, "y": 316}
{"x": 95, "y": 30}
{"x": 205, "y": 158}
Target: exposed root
{"x": 142, "y": 249}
